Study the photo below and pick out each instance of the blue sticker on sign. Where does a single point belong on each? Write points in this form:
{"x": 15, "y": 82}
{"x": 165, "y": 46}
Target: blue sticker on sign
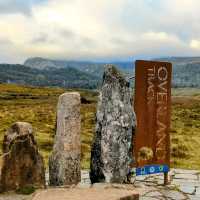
{"x": 152, "y": 169}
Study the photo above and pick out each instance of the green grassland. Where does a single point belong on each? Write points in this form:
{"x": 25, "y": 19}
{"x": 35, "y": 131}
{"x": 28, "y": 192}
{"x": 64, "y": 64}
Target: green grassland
{"x": 38, "y": 107}
{"x": 185, "y": 128}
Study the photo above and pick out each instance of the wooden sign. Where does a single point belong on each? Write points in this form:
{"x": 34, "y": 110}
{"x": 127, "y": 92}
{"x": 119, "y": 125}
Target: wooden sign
{"x": 152, "y": 107}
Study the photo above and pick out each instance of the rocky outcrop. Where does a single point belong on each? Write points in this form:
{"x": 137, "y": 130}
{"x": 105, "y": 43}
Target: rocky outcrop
{"x": 22, "y": 165}
{"x": 64, "y": 163}
{"x": 112, "y": 148}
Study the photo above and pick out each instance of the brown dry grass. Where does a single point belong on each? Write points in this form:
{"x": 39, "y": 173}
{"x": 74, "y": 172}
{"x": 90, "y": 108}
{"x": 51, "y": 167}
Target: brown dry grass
{"x": 38, "y": 107}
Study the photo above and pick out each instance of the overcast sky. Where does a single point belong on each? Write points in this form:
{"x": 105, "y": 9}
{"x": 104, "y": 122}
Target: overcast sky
{"x": 98, "y": 29}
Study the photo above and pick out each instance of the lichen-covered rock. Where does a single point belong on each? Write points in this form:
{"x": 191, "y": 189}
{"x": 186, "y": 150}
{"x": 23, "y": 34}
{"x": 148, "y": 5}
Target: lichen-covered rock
{"x": 112, "y": 149}
{"x": 64, "y": 163}
{"x": 22, "y": 165}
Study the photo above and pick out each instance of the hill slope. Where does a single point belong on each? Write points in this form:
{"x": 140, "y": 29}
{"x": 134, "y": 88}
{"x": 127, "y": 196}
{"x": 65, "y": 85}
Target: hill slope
{"x": 79, "y": 74}
{"x": 88, "y": 67}
{"x": 63, "y": 77}
{"x": 94, "y": 68}
{"x": 186, "y": 70}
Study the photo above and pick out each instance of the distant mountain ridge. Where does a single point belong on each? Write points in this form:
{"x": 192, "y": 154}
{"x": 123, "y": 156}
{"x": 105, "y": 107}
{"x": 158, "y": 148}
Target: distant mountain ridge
{"x": 186, "y": 70}
{"x": 62, "y": 77}
{"x": 84, "y": 74}
{"x": 94, "y": 68}
{"x": 86, "y": 66}
{"x": 180, "y": 60}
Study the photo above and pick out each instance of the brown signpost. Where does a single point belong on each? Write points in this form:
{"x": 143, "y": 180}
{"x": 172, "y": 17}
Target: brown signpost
{"x": 152, "y": 106}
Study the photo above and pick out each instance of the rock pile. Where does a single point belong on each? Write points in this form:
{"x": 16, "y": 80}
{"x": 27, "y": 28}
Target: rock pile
{"x": 112, "y": 149}
{"x": 22, "y": 165}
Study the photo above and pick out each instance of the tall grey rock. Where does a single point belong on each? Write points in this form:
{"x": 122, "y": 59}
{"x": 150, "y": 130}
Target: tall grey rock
{"x": 22, "y": 165}
{"x": 112, "y": 149}
{"x": 64, "y": 163}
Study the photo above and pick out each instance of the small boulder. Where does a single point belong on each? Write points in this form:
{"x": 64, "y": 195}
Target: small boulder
{"x": 22, "y": 165}
{"x": 112, "y": 149}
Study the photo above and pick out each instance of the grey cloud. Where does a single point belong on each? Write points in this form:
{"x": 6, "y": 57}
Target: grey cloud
{"x": 5, "y": 42}
{"x": 88, "y": 42}
{"x": 18, "y": 6}
{"x": 67, "y": 33}
{"x": 15, "y": 6}
{"x": 61, "y": 34}
{"x": 119, "y": 41}
{"x": 81, "y": 40}
{"x": 40, "y": 38}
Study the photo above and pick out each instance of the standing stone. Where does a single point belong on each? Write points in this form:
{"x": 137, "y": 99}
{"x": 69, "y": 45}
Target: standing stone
{"x": 22, "y": 165}
{"x": 112, "y": 148}
{"x": 64, "y": 163}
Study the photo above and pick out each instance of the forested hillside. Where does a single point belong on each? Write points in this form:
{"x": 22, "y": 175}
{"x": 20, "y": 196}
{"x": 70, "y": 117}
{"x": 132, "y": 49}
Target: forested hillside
{"x": 186, "y": 70}
{"x": 82, "y": 74}
{"x": 63, "y": 77}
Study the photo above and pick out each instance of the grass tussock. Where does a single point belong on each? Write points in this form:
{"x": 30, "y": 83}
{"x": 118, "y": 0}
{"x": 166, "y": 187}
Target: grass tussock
{"x": 26, "y": 190}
